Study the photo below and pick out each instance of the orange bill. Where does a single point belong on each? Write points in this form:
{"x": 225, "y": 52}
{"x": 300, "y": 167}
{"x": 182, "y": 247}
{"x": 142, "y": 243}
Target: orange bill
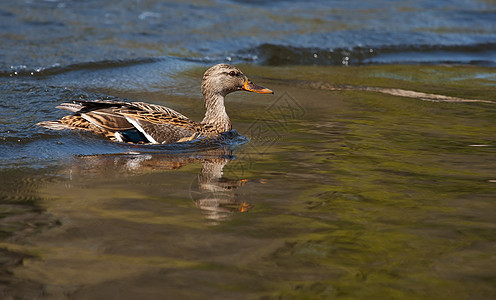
{"x": 251, "y": 87}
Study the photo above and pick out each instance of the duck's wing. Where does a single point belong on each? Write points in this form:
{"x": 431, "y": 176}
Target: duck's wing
{"x": 127, "y": 121}
{"x": 160, "y": 124}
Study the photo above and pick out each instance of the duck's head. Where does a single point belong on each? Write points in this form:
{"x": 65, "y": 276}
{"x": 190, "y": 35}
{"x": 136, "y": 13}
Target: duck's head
{"x": 224, "y": 79}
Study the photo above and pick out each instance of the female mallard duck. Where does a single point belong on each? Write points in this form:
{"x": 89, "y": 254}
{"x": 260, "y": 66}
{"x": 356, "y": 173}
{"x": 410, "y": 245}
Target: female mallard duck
{"x": 139, "y": 122}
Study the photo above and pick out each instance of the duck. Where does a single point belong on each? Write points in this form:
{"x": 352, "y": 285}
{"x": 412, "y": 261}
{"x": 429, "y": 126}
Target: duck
{"x": 147, "y": 123}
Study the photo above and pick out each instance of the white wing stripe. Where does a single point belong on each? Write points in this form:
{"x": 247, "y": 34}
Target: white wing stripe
{"x": 138, "y": 126}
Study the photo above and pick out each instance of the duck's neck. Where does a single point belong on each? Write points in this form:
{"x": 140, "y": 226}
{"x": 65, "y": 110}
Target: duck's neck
{"x": 216, "y": 115}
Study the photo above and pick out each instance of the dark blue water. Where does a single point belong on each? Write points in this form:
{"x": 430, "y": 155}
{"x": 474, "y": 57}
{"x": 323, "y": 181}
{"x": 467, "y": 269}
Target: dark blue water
{"x": 39, "y": 35}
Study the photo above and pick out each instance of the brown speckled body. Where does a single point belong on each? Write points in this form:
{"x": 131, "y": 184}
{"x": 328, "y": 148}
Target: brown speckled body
{"x": 139, "y": 122}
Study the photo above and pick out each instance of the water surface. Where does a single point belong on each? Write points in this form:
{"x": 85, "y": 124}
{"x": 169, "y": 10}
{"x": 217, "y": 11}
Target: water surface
{"x": 370, "y": 173}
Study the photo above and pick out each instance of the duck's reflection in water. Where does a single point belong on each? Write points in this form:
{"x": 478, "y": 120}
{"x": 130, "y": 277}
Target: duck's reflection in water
{"x": 213, "y": 193}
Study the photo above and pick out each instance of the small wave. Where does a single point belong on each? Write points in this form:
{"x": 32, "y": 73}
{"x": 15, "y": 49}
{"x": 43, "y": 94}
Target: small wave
{"x": 391, "y": 91}
{"x": 274, "y": 55}
{"x": 24, "y": 71}
{"x": 43, "y": 151}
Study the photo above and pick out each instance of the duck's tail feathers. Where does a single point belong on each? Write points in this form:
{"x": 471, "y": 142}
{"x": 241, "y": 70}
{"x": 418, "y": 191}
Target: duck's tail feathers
{"x": 55, "y": 125}
{"x": 67, "y": 122}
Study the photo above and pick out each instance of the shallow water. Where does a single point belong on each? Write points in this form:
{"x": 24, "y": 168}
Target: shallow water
{"x": 371, "y": 180}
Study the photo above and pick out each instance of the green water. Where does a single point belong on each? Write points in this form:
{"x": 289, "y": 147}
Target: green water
{"x": 341, "y": 193}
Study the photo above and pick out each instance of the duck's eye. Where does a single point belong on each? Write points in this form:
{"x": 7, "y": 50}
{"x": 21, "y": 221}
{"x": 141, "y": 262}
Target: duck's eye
{"x": 232, "y": 73}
